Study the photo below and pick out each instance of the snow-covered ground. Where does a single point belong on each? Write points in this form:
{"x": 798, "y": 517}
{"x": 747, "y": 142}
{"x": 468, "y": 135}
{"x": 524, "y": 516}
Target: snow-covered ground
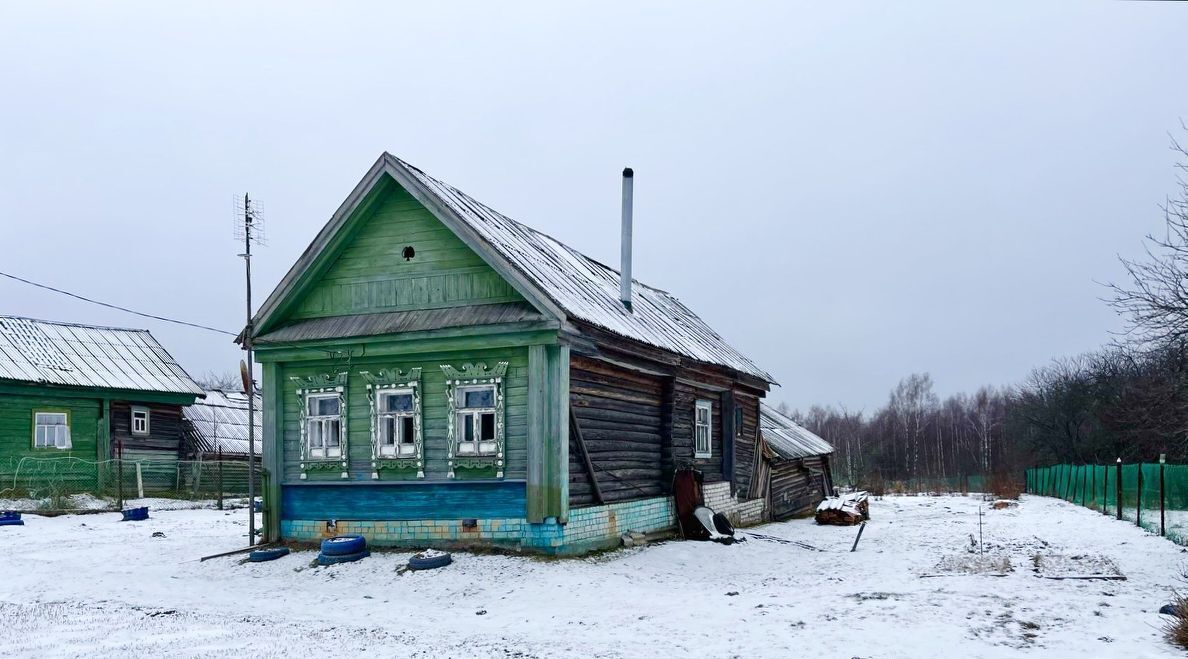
{"x": 89, "y": 585}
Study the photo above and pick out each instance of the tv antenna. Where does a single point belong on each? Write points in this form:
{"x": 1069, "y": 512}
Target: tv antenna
{"x": 249, "y": 227}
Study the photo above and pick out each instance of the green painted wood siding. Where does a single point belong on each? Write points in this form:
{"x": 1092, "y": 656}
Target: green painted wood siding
{"x": 371, "y": 275}
{"x": 16, "y": 428}
{"x": 433, "y": 404}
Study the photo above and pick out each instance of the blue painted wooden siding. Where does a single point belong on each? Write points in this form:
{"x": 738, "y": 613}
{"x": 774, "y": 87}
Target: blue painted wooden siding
{"x": 404, "y": 501}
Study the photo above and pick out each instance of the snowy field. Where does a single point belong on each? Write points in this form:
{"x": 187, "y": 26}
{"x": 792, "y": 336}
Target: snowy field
{"x": 89, "y": 585}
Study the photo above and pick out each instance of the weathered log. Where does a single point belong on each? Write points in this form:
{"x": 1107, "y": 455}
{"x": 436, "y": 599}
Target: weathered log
{"x": 844, "y": 511}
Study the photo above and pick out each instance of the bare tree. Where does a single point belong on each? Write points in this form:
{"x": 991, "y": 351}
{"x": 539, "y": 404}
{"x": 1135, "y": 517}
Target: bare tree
{"x": 224, "y": 381}
{"x": 1155, "y": 301}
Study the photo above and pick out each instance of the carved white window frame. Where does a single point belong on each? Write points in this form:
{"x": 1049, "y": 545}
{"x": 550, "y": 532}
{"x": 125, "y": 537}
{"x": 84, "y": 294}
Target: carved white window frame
{"x": 389, "y": 382}
{"x": 457, "y": 381}
{"x": 322, "y": 386}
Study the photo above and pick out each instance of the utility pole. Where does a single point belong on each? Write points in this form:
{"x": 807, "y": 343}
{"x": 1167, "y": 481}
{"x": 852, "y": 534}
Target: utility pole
{"x": 251, "y": 230}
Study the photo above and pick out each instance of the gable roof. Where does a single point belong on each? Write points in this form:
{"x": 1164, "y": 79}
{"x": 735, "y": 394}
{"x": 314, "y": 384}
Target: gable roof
{"x": 68, "y": 354}
{"x": 557, "y": 279}
{"x": 220, "y": 423}
{"x": 789, "y": 439}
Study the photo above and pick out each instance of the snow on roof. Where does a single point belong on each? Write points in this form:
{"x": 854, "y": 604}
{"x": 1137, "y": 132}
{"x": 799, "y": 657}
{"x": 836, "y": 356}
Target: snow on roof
{"x": 588, "y": 290}
{"x": 220, "y": 423}
{"x": 68, "y": 354}
{"x": 787, "y": 438}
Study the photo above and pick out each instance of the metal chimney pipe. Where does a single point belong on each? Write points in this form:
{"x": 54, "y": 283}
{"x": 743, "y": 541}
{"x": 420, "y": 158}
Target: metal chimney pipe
{"x": 625, "y": 248}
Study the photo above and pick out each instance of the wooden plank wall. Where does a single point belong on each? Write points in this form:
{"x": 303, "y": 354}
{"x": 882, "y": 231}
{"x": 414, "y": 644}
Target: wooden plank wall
{"x": 744, "y": 441}
{"x": 797, "y": 486}
{"x": 619, "y": 412}
{"x": 165, "y": 428}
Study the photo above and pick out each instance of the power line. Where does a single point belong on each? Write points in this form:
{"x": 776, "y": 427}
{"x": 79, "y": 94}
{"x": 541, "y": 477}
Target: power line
{"x": 117, "y": 307}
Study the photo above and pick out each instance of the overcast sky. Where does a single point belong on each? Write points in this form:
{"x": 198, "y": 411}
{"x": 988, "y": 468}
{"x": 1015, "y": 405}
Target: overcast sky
{"x": 848, "y": 194}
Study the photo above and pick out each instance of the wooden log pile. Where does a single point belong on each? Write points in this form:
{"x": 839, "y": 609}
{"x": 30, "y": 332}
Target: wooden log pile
{"x": 846, "y": 510}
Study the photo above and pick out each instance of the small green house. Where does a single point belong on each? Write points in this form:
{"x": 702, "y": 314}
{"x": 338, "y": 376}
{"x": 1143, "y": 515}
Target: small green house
{"x": 435, "y": 372}
{"x": 84, "y": 394}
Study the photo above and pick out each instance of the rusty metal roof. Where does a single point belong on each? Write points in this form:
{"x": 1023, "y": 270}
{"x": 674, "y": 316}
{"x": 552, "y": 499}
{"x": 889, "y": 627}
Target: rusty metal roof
{"x": 789, "y": 439}
{"x": 588, "y": 290}
{"x": 220, "y": 422}
{"x": 72, "y": 355}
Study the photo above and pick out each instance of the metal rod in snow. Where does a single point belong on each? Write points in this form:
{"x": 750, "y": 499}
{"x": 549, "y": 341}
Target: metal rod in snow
{"x": 625, "y": 247}
{"x": 861, "y": 527}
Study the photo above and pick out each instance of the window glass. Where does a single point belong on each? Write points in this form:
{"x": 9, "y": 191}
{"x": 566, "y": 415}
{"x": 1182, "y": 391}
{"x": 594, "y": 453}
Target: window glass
{"x": 323, "y": 406}
{"x": 484, "y": 397}
{"x": 488, "y": 426}
{"x": 398, "y": 403}
{"x": 407, "y": 434}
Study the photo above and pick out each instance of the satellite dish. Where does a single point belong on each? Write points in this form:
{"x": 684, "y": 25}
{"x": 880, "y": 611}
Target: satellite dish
{"x": 246, "y": 377}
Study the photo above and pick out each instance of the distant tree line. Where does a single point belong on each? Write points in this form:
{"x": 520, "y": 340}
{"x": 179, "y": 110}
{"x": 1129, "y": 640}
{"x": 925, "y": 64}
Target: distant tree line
{"x": 1127, "y": 400}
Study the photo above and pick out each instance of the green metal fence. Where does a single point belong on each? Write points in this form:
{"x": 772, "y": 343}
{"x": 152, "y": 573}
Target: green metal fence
{"x": 1152, "y": 495}
{"x": 59, "y": 484}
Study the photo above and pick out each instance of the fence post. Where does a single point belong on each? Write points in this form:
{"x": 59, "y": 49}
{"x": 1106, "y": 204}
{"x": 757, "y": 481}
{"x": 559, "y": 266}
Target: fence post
{"x": 220, "y": 488}
{"x": 1118, "y": 486}
{"x": 120, "y": 469}
{"x": 1105, "y": 489}
{"x": 1138, "y": 505}
{"x": 139, "y": 482}
{"x": 1162, "y": 498}
{"x": 1092, "y": 483}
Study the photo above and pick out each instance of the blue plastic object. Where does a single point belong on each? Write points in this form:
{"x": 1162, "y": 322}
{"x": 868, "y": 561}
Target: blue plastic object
{"x": 9, "y": 515}
{"x": 136, "y": 514}
{"x": 261, "y": 555}
{"x": 343, "y": 545}
{"x": 323, "y": 559}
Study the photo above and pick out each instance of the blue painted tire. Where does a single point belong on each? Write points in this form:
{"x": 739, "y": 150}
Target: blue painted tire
{"x": 343, "y": 545}
{"x": 430, "y": 563}
{"x": 323, "y": 559}
{"x": 12, "y": 522}
{"x": 261, "y": 555}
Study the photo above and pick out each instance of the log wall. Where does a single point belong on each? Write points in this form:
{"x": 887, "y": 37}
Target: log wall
{"x": 619, "y": 412}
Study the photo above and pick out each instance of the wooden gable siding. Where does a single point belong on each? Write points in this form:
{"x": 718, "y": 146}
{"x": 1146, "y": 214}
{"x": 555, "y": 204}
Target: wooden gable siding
{"x": 370, "y": 274}
{"x": 16, "y": 428}
{"x": 433, "y": 406}
{"x": 619, "y": 413}
{"x": 744, "y": 440}
{"x": 165, "y": 430}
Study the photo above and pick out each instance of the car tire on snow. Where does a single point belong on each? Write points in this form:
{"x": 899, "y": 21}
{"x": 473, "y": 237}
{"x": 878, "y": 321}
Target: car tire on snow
{"x": 261, "y": 555}
{"x": 343, "y": 545}
{"x": 429, "y": 560}
{"x": 323, "y": 559}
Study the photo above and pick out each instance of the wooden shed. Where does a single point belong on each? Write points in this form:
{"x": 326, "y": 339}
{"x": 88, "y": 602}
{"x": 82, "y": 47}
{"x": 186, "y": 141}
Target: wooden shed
{"x": 436, "y": 372}
{"x": 796, "y": 465}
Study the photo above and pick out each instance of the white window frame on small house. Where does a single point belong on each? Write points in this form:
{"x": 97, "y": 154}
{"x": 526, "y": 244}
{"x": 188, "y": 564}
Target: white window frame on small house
{"x": 316, "y": 425}
{"x": 396, "y": 430}
{"x": 316, "y": 453}
{"x": 139, "y": 420}
{"x": 479, "y": 449}
{"x": 47, "y": 433}
{"x": 703, "y": 430}
{"x": 477, "y": 424}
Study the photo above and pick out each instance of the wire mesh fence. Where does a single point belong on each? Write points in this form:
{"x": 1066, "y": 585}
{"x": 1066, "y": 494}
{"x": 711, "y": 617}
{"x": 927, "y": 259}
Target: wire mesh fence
{"x": 63, "y": 484}
{"x": 1152, "y": 495}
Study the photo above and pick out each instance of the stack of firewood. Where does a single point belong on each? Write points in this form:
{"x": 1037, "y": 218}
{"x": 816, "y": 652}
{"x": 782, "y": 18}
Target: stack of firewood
{"x": 845, "y": 510}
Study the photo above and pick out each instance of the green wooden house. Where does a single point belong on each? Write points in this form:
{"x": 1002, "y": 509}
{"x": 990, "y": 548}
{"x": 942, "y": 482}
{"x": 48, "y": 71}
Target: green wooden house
{"x": 435, "y": 372}
{"x": 86, "y": 393}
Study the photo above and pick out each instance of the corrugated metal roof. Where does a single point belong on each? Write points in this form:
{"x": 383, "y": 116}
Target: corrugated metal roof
{"x": 589, "y": 290}
{"x": 67, "y": 354}
{"x": 787, "y": 438}
{"x": 338, "y": 327}
{"x": 221, "y": 422}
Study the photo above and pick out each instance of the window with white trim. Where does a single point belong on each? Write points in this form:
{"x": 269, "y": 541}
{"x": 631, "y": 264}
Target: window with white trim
{"x": 475, "y": 410}
{"x": 323, "y": 425}
{"x": 396, "y": 420}
{"x": 702, "y": 429}
{"x": 140, "y": 421}
{"x": 51, "y": 430}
